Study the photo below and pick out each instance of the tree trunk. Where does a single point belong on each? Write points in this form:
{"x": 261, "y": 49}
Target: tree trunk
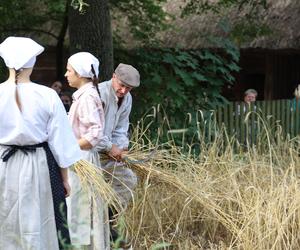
{"x": 91, "y": 32}
{"x": 60, "y": 67}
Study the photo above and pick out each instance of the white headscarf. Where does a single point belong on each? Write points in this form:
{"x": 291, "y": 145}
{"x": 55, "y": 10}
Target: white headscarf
{"x": 82, "y": 63}
{"x": 19, "y": 52}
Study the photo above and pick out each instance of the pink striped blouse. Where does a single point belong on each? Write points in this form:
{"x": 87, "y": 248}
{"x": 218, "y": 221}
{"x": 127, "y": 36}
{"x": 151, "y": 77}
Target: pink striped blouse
{"x": 86, "y": 114}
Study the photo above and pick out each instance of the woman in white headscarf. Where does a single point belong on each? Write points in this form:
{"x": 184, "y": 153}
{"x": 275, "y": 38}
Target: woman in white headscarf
{"x": 36, "y": 147}
{"x": 87, "y": 217}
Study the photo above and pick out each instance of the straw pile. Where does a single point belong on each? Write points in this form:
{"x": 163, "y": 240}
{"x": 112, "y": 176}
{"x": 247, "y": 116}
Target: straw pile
{"x": 246, "y": 200}
{"x": 228, "y": 197}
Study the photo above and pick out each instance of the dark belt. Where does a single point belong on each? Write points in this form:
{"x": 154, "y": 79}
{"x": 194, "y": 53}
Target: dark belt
{"x": 12, "y": 149}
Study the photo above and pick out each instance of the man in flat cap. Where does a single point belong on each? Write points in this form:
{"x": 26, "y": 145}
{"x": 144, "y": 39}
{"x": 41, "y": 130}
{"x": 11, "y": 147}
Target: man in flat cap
{"x": 117, "y": 101}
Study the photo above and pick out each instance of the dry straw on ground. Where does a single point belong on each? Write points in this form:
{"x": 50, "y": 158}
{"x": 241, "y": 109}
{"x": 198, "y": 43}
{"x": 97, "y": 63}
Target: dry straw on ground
{"x": 243, "y": 198}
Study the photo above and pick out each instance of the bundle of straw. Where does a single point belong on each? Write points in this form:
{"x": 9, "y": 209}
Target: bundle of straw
{"x": 149, "y": 169}
{"x": 91, "y": 177}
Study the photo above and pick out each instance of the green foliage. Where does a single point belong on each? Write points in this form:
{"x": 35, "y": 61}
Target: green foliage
{"x": 145, "y": 18}
{"x": 29, "y": 17}
{"x": 12, "y": 11}
{"x": 121, "y": 229}
{"x": 181, "y": 80}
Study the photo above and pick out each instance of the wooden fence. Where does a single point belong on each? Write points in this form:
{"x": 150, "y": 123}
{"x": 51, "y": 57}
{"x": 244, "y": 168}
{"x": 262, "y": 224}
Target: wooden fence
{"x": 247, "y": 123}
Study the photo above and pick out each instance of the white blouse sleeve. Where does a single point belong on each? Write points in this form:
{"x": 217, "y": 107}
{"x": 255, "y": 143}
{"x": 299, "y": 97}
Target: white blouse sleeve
{"x": 61, "y": 139}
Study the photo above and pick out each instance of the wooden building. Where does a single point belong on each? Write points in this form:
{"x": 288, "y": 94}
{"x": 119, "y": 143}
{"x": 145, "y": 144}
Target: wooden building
{"x": 274, "y": 73}
{"x": 270, "y": 64}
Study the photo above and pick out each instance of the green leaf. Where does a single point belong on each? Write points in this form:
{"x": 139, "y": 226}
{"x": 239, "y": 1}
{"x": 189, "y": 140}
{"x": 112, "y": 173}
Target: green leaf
{"x": 207, "y": 55}
{"x": 156, "y": 78}
{"x": 185, "y": 76}
{"x": 169, "y": 58}
{"x": 199, "y": 76}
{"x": 233, "y": 67}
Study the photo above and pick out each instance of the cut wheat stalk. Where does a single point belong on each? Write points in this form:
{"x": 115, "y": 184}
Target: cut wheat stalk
{"x": 91, "y": 178}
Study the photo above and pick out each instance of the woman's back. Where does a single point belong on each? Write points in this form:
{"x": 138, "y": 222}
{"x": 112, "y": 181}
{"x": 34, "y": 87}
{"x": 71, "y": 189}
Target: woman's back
{"x": 41, "y": 116}
{"x": 37, "y": 146}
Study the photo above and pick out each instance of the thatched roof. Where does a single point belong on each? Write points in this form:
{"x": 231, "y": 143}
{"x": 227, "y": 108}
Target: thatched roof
{"x": 281, "y": 16}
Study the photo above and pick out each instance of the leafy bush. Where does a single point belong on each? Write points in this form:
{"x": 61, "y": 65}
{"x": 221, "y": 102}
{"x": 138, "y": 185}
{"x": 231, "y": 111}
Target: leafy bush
{"x": 180, "y": 80}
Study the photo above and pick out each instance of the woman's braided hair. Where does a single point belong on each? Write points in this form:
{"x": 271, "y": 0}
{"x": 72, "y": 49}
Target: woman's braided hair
{"x": 95, "y": 80}
{"x": 17, "y": 72}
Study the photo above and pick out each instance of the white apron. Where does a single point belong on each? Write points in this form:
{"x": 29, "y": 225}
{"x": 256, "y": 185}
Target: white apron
{"x": 27, "y": 218}
{"x": 88, "y": 224}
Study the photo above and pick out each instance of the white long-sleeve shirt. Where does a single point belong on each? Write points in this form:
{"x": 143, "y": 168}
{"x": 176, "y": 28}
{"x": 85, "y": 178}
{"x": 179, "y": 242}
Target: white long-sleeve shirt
{"x": 43, "y": 118}
{"x": 116, "y": 118}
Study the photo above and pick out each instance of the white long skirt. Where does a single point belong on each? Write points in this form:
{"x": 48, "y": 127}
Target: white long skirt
{"x": 27, "y": 218}
{"x": 88, "y": 222}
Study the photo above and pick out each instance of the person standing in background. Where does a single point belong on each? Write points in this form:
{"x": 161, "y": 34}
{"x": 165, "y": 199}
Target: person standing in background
{"x": 66, "y": 99}
{"x": 57, "y": 86}
{"x": 296, "y": 100}
{"x": 250, "y": 95}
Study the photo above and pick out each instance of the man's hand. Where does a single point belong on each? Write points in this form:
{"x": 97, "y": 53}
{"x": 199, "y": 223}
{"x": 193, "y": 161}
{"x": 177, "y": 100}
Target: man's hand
{"x": 124, "y": 153}
{"x": 115, "y": 153}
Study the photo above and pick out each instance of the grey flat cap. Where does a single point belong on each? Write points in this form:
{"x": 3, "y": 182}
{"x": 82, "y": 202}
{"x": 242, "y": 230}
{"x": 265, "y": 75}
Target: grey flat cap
{"x": 128, "y": 75}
